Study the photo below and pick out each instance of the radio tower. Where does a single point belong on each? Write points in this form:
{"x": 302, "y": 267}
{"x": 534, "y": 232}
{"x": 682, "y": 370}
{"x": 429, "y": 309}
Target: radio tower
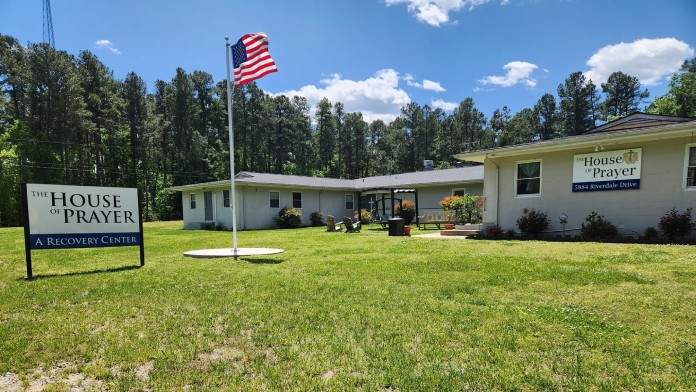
{"x": 48, "y": 24}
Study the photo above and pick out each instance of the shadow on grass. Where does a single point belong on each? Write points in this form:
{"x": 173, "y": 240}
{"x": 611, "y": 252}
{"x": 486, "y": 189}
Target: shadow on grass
{"x": 99, "y": 271}
{"x": 263, "y": 261}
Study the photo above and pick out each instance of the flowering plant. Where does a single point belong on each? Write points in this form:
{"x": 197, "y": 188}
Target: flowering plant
{"x": 533, "y": 222}
{"x": 407, "y": 210}
{"x": 467, "y": 207}
{"x": 677, "y": 225}
{"x": 364, "y": 217}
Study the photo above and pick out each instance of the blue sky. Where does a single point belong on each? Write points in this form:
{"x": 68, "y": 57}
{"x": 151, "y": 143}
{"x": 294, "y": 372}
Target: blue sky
{"x": 375, "y": 56}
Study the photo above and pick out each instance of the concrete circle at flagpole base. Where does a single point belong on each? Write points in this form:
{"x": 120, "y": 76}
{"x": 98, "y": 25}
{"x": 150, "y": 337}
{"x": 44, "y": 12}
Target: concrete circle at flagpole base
{"x": 229, "y": 252}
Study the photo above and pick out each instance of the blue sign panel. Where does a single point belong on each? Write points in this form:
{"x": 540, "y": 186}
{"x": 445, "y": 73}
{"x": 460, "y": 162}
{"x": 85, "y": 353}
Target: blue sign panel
{"x": 83, "y": 240}
{"x": 606, "y": 185}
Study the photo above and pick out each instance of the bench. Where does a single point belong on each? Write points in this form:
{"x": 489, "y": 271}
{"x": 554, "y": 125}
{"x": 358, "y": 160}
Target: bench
{"x": 382, "y": 220}
{"x": 436, "y": 218}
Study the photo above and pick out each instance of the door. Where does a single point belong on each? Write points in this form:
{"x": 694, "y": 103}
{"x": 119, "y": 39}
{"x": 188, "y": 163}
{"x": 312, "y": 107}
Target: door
{"x": 208, "y": 205}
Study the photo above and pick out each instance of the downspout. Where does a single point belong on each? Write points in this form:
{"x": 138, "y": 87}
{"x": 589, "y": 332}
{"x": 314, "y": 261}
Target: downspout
{"x": 497, "y": 189}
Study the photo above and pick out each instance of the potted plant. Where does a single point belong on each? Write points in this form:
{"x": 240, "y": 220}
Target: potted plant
{"x": 407, "y": 210}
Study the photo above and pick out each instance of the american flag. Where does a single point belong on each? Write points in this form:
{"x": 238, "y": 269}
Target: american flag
{"x": 251, "y": 58}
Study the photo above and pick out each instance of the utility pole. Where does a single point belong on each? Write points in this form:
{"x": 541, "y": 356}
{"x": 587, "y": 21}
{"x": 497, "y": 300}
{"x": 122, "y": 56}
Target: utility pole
{"x": 48, "y": 24}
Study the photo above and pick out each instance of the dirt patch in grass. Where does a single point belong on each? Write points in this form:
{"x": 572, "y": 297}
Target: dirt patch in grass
{"x": 63, "y": 375}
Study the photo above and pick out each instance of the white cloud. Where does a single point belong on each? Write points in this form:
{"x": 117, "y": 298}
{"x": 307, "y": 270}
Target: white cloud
{"x": 436, "y": 12}
{"x": 377, "y": 97}
{"x": 649, "y": 60}
{"x": 517, "y": 72}
{"x": 432, "y": 86}
{"x": 426, "y": 85}
{"x": 106, "y": 44}
{"x": 447, "y": 106}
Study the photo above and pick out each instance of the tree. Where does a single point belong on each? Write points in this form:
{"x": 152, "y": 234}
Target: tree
{"x": 578, "y": 98}
{"x": 325, "y": 132}
{"x": 56, "y": 116}
{"x": 355, "y": 130}
{"x": 105, "y": 130}
{"x": 548, "y": 115}
{"x": 499, "y": 125}
{"x": 339, "y": 115}
{"x": 623, "y": 96}
{"x": 680, "y": 100}
{"x": 13, "y": 78}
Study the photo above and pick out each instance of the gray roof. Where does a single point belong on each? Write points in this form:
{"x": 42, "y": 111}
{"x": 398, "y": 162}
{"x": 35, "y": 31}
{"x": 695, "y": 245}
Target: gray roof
{"x": 286, "y": 180}
{"x": 607, "y": 137}
{"x": 403, "y": 180}
{"x": 416, "y": 179}
{"x": 639, "y": 120}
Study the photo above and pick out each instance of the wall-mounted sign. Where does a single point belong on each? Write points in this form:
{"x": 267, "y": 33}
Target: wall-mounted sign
{"x": 66, "y": 216}
{"x": 607, "y": 170}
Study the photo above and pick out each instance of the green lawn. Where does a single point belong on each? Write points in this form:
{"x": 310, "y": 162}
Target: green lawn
{"x": 349, "y": 311}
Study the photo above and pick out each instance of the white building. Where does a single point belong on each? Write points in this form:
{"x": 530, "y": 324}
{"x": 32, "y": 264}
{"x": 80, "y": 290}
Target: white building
{"x": 632, "y": 171}
{"x": 261, "y": 196}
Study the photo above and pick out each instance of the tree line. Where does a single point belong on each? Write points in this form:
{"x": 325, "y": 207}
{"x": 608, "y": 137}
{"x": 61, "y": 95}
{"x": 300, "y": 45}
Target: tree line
{"x": 66, "y": 119}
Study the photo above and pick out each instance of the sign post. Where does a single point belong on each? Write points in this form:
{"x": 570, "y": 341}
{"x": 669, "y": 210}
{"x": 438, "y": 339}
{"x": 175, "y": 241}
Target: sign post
{"x": 65, "y": 216}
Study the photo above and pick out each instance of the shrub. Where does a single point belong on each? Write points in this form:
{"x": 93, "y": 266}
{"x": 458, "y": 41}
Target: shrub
{"x": 510, "y": 233}
{"x": 409, "y": 211}
{"x": 532, "y": 223}
{"x": 165, "y": 205}
{"x": 316, "y": 218}
{"x": 365, "y": 216}
{"x": 676, "y": 225}
{"x": 289, "y": 218}
{"x": 493, "y": 231}
{"x": 597, "y": 227}
{"x": 467, "y": 207}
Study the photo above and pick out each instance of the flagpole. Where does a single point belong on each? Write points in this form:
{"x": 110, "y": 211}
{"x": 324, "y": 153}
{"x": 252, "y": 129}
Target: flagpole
{"x": 233, "y": 196}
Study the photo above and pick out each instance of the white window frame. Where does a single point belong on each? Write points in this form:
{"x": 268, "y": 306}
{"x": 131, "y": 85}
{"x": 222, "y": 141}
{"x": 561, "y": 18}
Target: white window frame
{"x": 227, "y": 199}
{"x": 541, "y": 176}
{"x": 293, "y": 199}
{"x": 463, "y": 190}
{"x": 687, "y": 149}
{"x": 192, "y": 201}
{"x": 352, "y": 201}
{"x": 269, "y": 199}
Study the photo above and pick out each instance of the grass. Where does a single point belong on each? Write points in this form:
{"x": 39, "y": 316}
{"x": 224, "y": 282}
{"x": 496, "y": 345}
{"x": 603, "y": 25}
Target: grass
{"x": 349, "y": 312}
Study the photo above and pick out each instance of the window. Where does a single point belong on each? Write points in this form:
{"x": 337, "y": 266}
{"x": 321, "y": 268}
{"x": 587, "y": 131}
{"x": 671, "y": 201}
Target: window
{"x": 225, "y": 197}
{"x": 349, "y": 202}
{"x": 297, "y": 199}
{"x": 528, "y": 178}
{"x": 275, "y": 199}
{"x": 193, "y": 201}
{"x": 458, "y": 191}
{"x": 690, "y": 180}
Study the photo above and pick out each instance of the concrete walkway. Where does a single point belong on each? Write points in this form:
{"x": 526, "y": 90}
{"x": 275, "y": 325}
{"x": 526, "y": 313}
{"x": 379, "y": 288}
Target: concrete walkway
{"x": 438, "y": 235}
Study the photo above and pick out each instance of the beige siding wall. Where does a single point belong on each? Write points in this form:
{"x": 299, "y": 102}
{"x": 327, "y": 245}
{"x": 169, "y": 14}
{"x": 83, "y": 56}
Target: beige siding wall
{"x": 257, "y": 213}
{"x": 253, "y": 206}
{"x": 662, "y": 179}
